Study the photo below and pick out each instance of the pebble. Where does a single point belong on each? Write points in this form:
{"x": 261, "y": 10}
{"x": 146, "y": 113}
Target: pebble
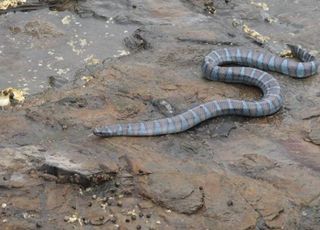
{"x": 86, "y": 221}
{"x": 94, "y": 197}
{"x": 66, "y": 218}
{"x": 4, "y": 205}
{"x": 119, "y": 204}
{"x": 138, "y": 227}
{"x": 230, "y": 203}
{"x": 140, "y": 214}
{"x": 98, "y": 221}
{"x": 133, "y": 217}
{"x": 103, "y": 206}
{"x": 109, "y": 202}
{"x": 25, "y": 215}
{"x": 114, "y": 219}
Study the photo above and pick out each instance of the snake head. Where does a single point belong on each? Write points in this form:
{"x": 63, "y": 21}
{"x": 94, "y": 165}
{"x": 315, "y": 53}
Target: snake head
{"x": 100, "y": 132}
{"x": 106, "y": 131}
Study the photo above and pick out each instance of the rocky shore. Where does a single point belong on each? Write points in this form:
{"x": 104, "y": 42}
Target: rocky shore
{"x": 227, "y": 173}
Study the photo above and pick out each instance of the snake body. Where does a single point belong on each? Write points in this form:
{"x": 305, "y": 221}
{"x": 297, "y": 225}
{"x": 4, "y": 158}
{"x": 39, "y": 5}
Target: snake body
{"x": 216, "y": 66}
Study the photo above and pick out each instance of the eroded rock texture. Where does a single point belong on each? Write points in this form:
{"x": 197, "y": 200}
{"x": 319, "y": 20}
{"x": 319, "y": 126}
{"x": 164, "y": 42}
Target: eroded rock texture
{"x": 227, "y": 173}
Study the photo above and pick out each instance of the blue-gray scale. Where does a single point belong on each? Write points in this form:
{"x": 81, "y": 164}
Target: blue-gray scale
{"x": 214, "y": 68}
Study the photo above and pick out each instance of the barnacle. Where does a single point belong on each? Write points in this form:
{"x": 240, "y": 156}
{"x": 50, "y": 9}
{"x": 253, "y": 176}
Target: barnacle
{"x": 16, "y": 95}
{"x": 262, "y": 5}
{"x": 255, "y": 35}
{"x": 5, "y": 4}
{"x": 286, "y": 54}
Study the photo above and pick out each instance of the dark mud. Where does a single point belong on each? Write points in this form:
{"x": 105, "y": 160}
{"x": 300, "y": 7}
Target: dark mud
{"x": 227, "y": 173}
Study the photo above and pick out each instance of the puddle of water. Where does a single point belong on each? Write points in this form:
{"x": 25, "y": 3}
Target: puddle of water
{"x": 43, "y": 43}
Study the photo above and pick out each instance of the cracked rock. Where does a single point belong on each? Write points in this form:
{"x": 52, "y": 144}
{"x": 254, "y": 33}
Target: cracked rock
{"x": 173, "y": 192}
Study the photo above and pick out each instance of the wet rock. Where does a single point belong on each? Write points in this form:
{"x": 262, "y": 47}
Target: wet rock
{"x": 23, "y": 139}
{"x": 182, "y": 148}
{"x": 40, "y": 29}
{"x": 21, "y": 159}
{"x": 68, "y": 170}
{"x": 55, "y": 44}
{"x": 309, "y": 113}
{"x": 136, "y": 41}
{"x": 16, "y": 164}
{"x": 98, "y": 221}
{"x": 105, "y": 9}
{"x": 268, "y": 18}
{"x": 126, "y": 19}
{"x": 249, "y": 180}
{"x": 261, "y": 224}
{"x": 126, "y": 107}
{"x": 224, "y": 129}
{"x": 209, "y": 42}
{"x": 164, "y": 107}
{"x": 57, "y": 81}
{"x": 35, "y": 114}
{"x": 209, "y": 6}
{"x": 74, "y": 102}
{"x": 173, "y": 192}
{"x": 253, "y": 165}
{"x": 314, "y": 135}
{"x": 145, "y": 205}
{"x": 270, "y": 207}
{"x": 310, "y": 218}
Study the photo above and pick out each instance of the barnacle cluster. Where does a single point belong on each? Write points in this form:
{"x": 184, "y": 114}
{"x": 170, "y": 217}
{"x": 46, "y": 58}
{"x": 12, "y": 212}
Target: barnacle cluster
{"x": 5, "y": 4}
{"x": 11, "y": 96}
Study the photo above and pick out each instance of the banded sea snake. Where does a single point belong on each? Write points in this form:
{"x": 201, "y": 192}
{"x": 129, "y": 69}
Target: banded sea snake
{"x": 214, "y": 68}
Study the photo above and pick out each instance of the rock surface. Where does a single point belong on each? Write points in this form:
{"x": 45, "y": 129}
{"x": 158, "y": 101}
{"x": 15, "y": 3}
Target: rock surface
{"x": 227, "y": 173}
{"x": 314, "y": 134}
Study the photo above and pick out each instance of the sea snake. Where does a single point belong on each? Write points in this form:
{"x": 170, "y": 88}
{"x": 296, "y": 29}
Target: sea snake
{"x": 216, "y": 67}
